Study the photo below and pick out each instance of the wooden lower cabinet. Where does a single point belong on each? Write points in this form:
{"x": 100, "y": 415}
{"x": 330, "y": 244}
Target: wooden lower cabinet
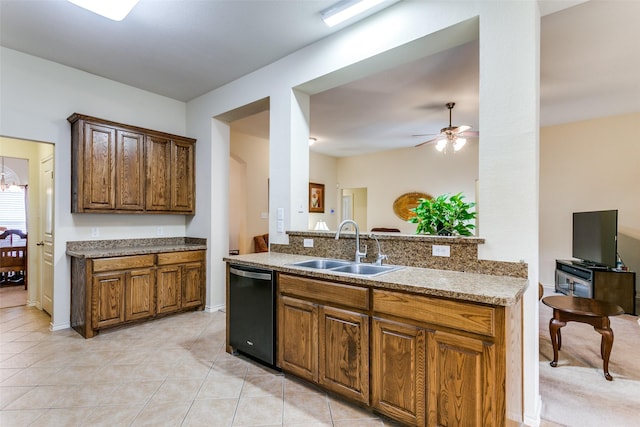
{"x": 298, "y": 337}
{"x": 321, "y": 340}
{"x": 139, "y": 294}
{"x": 398, "y": 365}
{"x": 180, "y": 276}
{"x": 344, "y": 352}
{"x": 460, "y": 381}
{"x": 123, "y": 296}
{"x": 108, "y": 301}
{"x": 192, "y": 279}
{"x": 107, "y": 292}
{"x": 433, "y": 361}
{"x": 169, "y": 289}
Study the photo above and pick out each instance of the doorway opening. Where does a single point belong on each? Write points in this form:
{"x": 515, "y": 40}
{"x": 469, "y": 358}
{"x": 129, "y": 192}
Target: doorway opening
{"x": 26, "y": 203}
{"x": 248, "y": 178}
{"x": 354, "y": 206}
{"x": 13, "y": 232}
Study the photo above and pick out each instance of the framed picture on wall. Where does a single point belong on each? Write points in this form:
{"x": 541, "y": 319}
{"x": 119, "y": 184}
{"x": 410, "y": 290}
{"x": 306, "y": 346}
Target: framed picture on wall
{"x": 316, "y": 197}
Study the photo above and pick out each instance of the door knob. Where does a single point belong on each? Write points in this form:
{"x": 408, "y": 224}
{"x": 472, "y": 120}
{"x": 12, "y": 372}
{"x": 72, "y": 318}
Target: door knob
{"x": 40, "y": 243}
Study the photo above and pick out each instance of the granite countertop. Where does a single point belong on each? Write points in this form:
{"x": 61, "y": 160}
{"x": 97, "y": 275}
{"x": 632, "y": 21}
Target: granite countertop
{"x": 126, "y": 247}
{"x": 482, "y": 288}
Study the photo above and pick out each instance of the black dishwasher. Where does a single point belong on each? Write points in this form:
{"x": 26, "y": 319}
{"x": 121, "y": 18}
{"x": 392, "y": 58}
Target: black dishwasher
{"x": 252, "y": 301}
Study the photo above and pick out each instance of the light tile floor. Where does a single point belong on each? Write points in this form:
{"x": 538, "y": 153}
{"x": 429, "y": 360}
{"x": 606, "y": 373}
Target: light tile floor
{"x": 167, "y": 372}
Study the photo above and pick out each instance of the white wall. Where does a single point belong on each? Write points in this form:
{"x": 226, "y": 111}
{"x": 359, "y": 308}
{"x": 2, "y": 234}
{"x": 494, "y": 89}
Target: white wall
{"x": 586, "y": 166}
{"x": 389, "y": 174}
{"x": 37, "y": 97}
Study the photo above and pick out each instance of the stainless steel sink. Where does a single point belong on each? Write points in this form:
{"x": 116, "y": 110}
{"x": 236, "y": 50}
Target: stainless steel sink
{"x": 365, "y": 269}
{"x": 349, "y": 267}
{"x": 323, "y": 264}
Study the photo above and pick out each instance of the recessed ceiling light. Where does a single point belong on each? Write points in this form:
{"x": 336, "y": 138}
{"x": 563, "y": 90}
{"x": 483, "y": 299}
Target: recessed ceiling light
{"x": 346, "y": 9}
{"x": 116, "y": 10}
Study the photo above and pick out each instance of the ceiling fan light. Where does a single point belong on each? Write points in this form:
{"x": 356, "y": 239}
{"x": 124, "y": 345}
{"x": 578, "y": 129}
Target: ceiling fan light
{"x": 441, "y": 144}
{"x": 459, "y": 143}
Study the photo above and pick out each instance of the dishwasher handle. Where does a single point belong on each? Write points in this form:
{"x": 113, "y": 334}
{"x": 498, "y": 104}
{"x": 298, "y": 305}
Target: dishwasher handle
{"x": 250, "y": 274}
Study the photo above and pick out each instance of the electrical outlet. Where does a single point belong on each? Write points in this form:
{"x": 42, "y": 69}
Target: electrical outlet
{"x": 160, "y": 231}
{"x": 95, "y": 232}
{"x": 441, "y": 250}
{"x": 307, "y": 243}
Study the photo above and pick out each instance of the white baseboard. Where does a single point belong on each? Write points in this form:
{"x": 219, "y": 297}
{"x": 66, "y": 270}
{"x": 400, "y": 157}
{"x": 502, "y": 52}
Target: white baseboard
{"x": 533, "y": 420}
{"x": 214, "y": 308}
{"x": 59, "y": 327}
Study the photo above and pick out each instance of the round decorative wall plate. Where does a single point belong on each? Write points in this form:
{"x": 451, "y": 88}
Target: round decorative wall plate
{"x": 408, "y": 201}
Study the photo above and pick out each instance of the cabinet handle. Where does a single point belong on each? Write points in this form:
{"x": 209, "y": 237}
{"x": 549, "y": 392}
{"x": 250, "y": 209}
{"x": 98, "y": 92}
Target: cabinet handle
{"x": 40, "y": 243}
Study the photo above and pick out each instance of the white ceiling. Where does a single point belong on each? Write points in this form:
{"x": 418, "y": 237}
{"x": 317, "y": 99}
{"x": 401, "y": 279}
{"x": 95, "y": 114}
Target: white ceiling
{"x": 590, "y": 62}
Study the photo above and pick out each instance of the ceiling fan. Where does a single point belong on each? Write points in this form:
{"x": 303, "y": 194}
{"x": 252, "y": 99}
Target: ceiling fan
{"x": 456, "y": 135}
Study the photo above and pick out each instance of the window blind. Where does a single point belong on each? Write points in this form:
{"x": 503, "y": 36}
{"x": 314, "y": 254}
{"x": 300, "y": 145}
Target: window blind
{"x": 13, "y": 210}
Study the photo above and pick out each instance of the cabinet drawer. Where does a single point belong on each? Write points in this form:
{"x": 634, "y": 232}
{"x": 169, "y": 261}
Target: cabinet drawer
{"x": 326, "y": 292}
{"x": 180, "y": 257}
{"x": 123, "y": 263}
{"x": 458, "y": 315}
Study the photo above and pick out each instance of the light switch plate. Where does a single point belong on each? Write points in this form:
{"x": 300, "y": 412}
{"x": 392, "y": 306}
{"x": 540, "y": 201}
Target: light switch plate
{"x": 307, "y": 243}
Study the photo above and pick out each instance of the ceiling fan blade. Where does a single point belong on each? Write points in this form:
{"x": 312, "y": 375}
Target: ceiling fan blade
{"x": 427, "y": 142}
{"x": 460, "y": 129}
{"x": 470, "y": 133}
{"x": 425, "y": 134}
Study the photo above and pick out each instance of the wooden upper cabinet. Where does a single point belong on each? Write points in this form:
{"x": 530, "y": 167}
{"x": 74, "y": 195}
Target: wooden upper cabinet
{"x": 98, "y": 167}
{"x": 158, "y": 173}
{"x": 182, "y": 177}
{"x": 119, "y": 168}
{"x": 130, "y": 173}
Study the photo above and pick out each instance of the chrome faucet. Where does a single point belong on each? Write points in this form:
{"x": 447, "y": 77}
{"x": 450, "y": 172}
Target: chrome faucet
{"x": 359, "y": 255}
{"x": 381, "y": 257}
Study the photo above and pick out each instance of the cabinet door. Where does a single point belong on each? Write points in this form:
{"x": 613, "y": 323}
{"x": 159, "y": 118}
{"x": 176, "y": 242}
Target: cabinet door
{"x": 169, "y": 288}
{"x": 182, "y": 178}
{"x": 130, "y": 173}
{"x": 139, "y": 294}
{"x": 344, "y": 352}
{"x": 460, "y": 381}
{"x": 107, "y": 305}
{"x": 192, "y": 278}
{"x": 398, "y": 371}
{"x": 98, "y": 177}
{"x": 298, "y": 337}
{"x": 158, "y": 160}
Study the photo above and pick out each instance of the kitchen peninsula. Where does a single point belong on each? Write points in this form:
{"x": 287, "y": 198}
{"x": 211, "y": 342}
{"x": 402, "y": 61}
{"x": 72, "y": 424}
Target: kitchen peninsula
{"x": 421, "y": 345}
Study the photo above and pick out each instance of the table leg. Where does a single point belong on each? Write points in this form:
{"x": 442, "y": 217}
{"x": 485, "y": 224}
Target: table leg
{"x": 556, "y": 339}
{"x": 605, "y": 347}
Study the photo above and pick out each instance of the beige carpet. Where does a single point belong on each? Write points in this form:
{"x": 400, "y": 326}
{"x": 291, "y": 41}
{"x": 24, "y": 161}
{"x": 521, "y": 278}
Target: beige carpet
{"x": 576, "y": 393}
{"x": 12, "y": 296}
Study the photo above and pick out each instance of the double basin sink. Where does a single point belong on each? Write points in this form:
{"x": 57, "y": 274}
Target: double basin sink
{"x": 349, "y": 267}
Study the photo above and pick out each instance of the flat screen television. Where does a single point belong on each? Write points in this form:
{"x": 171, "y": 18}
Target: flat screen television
{"x": 595, "y": 237}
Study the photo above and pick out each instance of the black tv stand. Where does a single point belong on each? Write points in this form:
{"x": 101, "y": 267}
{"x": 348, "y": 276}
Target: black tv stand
{"x": 598, "y": 282}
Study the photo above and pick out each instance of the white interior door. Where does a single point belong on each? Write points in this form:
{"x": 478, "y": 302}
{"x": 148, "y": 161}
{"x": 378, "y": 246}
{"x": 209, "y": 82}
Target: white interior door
{"x": 46, "y": 234}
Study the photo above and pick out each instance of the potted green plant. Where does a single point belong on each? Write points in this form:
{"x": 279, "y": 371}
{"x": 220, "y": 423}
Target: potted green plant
{"x": 444, "y": 215}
